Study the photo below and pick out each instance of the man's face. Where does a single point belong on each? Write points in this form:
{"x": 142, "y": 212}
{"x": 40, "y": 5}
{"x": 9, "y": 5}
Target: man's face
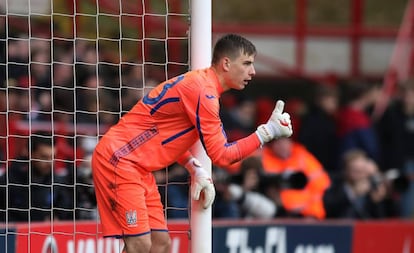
{"x": 357, "y": 170}
{"x": 42, "y": 159}
{"x": 240, "y": 71}
{"x": 282, "y": 148}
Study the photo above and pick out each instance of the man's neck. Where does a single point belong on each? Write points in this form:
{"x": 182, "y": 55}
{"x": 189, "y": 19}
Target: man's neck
{"x": 220, "y": 78}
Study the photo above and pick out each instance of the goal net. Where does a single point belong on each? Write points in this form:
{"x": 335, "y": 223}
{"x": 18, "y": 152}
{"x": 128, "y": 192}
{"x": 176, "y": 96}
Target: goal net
{"x": 69, "y": 70}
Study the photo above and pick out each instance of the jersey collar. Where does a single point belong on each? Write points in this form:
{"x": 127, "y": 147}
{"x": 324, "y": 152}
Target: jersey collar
{"x": 214, "y": 76}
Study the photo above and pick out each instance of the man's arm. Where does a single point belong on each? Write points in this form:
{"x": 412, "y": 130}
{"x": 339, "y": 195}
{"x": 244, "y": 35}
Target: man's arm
{"x": 214, "y": 140}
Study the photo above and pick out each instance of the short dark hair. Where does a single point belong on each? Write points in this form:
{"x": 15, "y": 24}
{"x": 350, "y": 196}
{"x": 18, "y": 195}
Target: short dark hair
{"x": 38, "y": 140}
{"x": 231, "y": 45}
{"x": 351, "y": 155}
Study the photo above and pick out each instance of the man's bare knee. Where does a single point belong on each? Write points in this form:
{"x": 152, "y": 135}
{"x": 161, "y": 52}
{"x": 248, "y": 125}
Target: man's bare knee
{"x": 161, "y": 242}
{"x": 138, "y": 244}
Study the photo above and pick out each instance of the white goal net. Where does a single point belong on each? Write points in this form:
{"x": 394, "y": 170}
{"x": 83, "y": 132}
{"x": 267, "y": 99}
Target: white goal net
{"x": 69, "y": 70}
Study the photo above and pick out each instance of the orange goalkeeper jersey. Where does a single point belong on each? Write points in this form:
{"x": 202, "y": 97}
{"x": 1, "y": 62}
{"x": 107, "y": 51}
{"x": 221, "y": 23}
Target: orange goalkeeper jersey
{"x": 166, "y": 122}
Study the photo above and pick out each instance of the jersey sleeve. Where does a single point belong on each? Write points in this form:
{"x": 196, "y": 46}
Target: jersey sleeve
{"x": 184, "y": 158}
{"x": 202, "y": 107}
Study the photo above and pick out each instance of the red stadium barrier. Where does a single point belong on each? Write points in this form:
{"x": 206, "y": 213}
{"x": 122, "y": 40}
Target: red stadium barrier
{"x": 79, "y": 237}
{"x": 281, "y": 236}
{"x": 383, "y": 237}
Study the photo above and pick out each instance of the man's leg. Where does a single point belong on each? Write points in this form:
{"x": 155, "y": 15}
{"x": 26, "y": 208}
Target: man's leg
{"x": 137, "y": 244}
{"x": 156, "y": 242}
{"x": 159, "y": 232}
{"x": 161, "y": 242}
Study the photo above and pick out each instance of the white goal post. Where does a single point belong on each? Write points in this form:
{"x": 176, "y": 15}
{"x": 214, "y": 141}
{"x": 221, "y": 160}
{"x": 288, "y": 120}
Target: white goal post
{"x": 200, "y": 57}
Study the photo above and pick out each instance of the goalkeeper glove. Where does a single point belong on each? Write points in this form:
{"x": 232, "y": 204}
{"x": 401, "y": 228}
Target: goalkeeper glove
{"x": 279, "y": 125}
{"x": 200, "y": 182}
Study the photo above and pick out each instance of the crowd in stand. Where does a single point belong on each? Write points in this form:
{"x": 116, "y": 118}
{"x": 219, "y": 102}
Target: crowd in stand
{"x": 355, "y": 166}
{"x": 340, "y": 163}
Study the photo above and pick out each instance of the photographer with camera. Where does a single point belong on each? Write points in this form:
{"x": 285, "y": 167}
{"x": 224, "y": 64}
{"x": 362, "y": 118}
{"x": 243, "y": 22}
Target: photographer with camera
{"x": 362, "y": 193}
{"x": 246, "y": 190}
{"x": 301, "y": 182}
{"x": 239, "y": 195}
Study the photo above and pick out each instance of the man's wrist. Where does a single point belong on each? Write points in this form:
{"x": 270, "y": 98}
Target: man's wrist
{"x": 193, "y": 166}
{"x": 266, "y": 133}
{"x": 262, "y": 142}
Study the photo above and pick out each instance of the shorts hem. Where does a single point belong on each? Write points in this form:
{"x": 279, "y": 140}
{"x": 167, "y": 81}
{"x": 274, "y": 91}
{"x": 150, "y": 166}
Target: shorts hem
{"x": 126, "y": 235}
{"x": 160, "y": 230}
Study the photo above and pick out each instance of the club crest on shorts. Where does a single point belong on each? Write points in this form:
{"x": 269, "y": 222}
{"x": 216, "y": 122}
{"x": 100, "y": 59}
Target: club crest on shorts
{"x": 131, "y": 217}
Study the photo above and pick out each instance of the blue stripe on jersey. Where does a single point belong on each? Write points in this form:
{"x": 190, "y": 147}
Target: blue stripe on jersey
{"x": 175, "y": 136}
{"x": 163, "y": 102}
{"x": 198, "y": 123}
{"x": 230, "y": 144}
{"x": 225, "y": 136}
{"x": 150, "y": 101}
{"x": 201, "y": 134}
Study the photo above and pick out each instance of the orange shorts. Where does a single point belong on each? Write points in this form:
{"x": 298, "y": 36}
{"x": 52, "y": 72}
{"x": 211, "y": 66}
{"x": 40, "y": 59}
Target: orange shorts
{"x": 128, "y": 200}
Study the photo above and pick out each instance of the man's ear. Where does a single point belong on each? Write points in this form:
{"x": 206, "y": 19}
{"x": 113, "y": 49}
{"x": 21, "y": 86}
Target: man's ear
{"x": 225, "y": 63}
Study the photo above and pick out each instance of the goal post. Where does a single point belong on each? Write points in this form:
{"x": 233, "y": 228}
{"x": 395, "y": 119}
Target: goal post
{"x": 200, "y": 57}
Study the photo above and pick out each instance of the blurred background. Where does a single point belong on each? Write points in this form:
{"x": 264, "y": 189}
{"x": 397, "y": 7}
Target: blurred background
{"x": 71, "y": 69}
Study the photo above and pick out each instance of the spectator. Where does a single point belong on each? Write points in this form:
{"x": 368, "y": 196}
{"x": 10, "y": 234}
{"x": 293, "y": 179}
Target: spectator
{"x": 129, "y": 97}
{"x": 240, "y": 120}
{"x": 87, "y": 99}
{"x": 297, "y": 109}
{"x": 3, "y": 123}
{"x": 18, "y": 59}
{"x": 42, "y": 108}
{"x": 361, "y": 194}
{"x": 86, "y": 60}
{"x": 318, "y": 127}
{"x": 284, "y": 156}
{"x": 132, "y": 88}
{"x": 133, "y": 76}
{"x": 396, "y": 129}
{"x": 41, "y": 75}
{"x": 246, "y": 189}
{"x": 175, "y": 194}
{"x": 15, "y": 107}
{"x": 34, "y": 193}
{"x": 3, "y": 207}
{"x": 3, "y": 56}
{"x": 355, "y": 129}
{"x": 224, "y": 205}
{"x": 85, "y": 193}
{"x": 40, "y": 69}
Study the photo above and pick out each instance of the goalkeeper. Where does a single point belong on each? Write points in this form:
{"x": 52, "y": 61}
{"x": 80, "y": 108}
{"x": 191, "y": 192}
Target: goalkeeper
{"x": 159, "y": 130}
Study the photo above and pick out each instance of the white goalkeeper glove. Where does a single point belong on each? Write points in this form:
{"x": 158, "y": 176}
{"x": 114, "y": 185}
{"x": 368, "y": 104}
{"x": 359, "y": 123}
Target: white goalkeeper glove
{"x": 279, "y": 125}
{"x": 200, "y": 182}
